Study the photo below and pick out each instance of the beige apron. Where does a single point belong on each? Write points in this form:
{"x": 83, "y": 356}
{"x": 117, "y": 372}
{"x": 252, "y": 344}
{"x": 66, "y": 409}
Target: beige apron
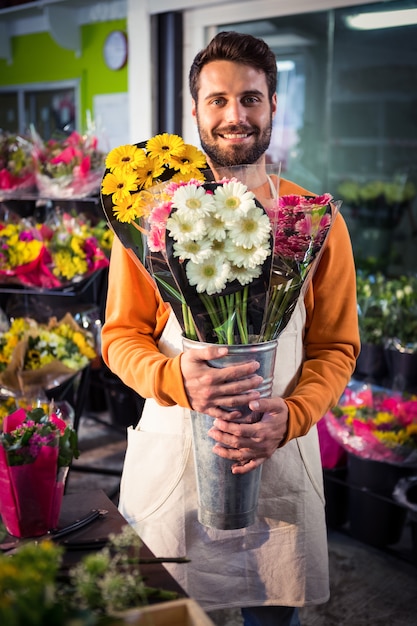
{"x": 282, "y": 558}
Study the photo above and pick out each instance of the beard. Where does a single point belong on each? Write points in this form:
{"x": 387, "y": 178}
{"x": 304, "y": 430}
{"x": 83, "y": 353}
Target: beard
{"x": 235, "y": 154}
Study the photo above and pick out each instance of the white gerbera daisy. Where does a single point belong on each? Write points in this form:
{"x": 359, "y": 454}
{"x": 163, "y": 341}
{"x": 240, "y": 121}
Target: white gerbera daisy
{"x": 196, "y": 251}
{"x": 219, "y": 248}
{"x": 209, "y": 277}
{"x": 245, "y": 275}
{"x": 249, "y": 257}
{"x": 185, "y": 228}
{"x": 251, "y": 229}
{"x": 216, "y": 228}
{"x": 233, "y": 199}
{"x": 193, "y": 201}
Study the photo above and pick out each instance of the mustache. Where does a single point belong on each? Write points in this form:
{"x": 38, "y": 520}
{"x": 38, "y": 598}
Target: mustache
{"x": 236, "y": 128}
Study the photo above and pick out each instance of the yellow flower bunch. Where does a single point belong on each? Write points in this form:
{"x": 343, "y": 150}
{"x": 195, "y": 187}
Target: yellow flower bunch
{"x": 75, "y": 249}
{"x": 375, "y": 424}
{"x": 134, "y": 169}
{"x": 18, "y": 245}
{"x": 46, "y": 343}
{"x": 11, "y": 337}
{"x": 61, "y": 343}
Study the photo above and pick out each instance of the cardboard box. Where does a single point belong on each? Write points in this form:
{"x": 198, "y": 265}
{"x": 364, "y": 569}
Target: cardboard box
{"x": 175, "y": 613}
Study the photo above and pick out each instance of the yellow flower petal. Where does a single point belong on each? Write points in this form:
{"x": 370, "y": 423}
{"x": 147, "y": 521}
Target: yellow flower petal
{"x": 163, "y": 147}
{"x": 126, "y": 158}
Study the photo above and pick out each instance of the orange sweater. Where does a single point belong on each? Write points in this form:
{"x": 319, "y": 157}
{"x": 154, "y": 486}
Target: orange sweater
{"x": 136, "y": 316}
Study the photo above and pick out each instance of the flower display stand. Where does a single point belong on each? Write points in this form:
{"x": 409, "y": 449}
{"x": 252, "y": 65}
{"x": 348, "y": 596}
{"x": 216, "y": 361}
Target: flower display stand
{"x": 175, "y": 613}
{"x": 336, "y": 492}
{"x": 374, "y": 516}
{"x": 360, "y": 500}
{"x": 402, "y": 370}
{"x": 371, "y": 364}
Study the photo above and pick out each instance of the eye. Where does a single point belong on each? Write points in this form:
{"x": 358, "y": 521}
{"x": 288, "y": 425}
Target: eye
{"x": 251, "y": 100}
{"x": 218, "y": 101}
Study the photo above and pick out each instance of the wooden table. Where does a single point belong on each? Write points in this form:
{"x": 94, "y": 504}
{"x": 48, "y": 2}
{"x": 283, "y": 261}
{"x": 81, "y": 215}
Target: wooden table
{"x": 95, "y": 535}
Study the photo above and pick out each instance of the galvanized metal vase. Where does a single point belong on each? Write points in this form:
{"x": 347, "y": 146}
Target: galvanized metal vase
{"x": 226, "y": 500}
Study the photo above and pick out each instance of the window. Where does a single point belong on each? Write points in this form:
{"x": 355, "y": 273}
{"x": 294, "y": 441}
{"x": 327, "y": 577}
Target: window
{"x": 48, "y": 107}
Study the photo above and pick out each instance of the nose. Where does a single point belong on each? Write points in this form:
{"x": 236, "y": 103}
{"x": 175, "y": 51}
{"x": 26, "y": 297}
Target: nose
{"x": 235, "y": 112}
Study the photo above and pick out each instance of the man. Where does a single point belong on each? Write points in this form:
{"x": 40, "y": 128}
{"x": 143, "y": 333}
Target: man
{"x": 280, "y": 562}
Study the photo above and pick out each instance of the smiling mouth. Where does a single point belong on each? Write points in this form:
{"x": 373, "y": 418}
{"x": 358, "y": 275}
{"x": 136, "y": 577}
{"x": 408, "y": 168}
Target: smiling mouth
{"x": 236, "y": 134}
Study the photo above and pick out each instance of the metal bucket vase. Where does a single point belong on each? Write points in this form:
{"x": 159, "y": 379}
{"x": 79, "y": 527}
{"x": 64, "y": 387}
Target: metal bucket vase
{"x": 226, "y": 500}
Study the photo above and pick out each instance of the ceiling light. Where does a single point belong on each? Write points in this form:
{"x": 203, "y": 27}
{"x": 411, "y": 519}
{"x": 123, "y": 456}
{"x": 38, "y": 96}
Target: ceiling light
{"x": 382, "y": 19}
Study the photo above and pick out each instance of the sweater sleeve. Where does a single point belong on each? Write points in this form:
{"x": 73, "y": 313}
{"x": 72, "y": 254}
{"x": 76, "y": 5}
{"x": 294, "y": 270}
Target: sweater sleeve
{"x": 135, "y": 318}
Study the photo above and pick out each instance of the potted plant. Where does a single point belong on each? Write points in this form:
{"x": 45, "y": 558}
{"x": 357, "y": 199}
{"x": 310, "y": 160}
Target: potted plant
{"x": 373, "y": 317}
{"x": 387, "y": 315}
{"x": 374, "y": 208}
{"x": 105, "y": 588}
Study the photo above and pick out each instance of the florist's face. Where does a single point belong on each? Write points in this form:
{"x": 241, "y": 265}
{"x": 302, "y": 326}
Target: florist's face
{"x": 233, "y": 113}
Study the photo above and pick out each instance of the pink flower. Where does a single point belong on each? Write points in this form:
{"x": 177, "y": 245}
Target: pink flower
{"x": 160, "y": 213}
{"x": 156, "y": 238}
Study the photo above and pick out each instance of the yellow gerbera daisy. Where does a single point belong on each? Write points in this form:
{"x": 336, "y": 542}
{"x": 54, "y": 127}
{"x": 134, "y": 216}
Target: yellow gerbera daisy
{"x": 126, "y": 158}
{"x": 165, "y": 146}
{"x": 191, "y": 159}
{"x": 119, "y": 184}
{"x": 146, "y": 176}
{"x": 124, "y": 210}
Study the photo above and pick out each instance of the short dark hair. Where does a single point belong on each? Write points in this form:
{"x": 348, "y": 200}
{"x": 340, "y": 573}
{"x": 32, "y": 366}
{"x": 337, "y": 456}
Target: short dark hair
{"x": 240, "y": 48}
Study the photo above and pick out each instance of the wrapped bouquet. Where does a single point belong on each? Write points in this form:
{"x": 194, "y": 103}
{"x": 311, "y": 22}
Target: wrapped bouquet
{"x": 36, "y": 449}
{"x": 75, "y": 247}
{"x": 69, "y": 167}
{"x": 43, "y": 356}
{"x": 64, "y": 250}
{"x": 375, "y": 424}
{"x": 17, "y": 169}
{"x": 232, "y": 269}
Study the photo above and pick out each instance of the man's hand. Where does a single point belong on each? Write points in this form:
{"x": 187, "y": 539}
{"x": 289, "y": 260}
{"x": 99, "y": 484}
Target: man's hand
{"x": 210, "y": 388}
{"x": 251, "y": 444}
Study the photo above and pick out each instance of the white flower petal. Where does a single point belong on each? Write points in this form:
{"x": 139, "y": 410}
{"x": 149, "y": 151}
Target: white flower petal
{"x": 233, "y": 199}
{"x": 249, "y": 257}
{"x": 184, "y": 228}
{"x": 251, "y": 229}
{"x": 193, "y": 201}
{"x": 245, "y": 275}
{"x": 196, "y": 251}
{"x": 208, "y": 277}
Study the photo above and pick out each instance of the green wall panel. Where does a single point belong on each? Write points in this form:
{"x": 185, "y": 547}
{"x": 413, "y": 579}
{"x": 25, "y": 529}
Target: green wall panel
{"x": 37, "y": 58}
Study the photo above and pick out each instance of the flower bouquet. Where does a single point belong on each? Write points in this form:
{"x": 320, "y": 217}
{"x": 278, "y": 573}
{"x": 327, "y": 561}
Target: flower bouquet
{"x": 17, "y": 170}
{"x": 74, "y": 247}
{"x": 70, "y": 167}
{"x": 375, "y": 424}
{"x": 43, "y": 356}
{"x": 64, "y": 250}
{"x": 36, "y": 449}
{"x": 232, "y": 269}
{"x": 24, "y": 258}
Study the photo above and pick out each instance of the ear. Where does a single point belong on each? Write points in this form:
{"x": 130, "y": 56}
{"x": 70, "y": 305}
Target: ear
{"x": 274, "y": 103}
{"x": 194, "y": 109}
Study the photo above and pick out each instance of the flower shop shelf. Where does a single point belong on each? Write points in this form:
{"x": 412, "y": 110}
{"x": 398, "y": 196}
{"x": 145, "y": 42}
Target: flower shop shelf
{"x": 359, "y": 502}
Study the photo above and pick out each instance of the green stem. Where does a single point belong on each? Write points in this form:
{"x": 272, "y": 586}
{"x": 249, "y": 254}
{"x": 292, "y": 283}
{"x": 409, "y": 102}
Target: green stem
{"x": 215, "y": 321}
{"x": 281, "y": 298}
{"x": 241, "y": 315}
